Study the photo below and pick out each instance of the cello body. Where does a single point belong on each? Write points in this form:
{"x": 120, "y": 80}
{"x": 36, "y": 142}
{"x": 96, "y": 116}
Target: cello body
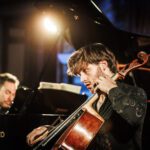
{"x": 76, "y": 136}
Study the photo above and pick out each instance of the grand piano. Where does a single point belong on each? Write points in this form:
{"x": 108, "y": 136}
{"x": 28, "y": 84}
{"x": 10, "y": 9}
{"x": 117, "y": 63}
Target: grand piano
{"x": 34, "y": 107}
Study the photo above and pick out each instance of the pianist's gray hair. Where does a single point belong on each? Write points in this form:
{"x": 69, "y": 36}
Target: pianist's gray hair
{"x": 8, "y": 77}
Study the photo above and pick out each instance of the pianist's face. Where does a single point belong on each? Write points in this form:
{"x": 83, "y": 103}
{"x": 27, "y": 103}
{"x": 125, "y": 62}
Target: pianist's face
{"x": 7, "y": 94}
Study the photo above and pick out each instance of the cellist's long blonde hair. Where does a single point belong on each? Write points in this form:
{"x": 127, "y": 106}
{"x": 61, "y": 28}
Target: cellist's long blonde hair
{"x": 90, "y": 54}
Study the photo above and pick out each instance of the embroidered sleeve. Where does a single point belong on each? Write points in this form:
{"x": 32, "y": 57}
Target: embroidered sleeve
{"x": 129, "y": 102}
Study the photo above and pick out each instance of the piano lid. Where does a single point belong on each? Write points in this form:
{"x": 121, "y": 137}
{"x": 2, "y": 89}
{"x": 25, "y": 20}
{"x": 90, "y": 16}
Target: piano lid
{"x": 86, "y": 23}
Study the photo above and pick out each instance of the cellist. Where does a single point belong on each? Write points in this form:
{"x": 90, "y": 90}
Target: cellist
{"x": 122, "y": 106}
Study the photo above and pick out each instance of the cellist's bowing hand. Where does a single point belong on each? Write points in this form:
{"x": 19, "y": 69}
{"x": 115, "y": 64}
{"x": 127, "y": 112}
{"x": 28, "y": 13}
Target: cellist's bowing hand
{"x": 105, "y": 84}
{"x": 37, "y": 134}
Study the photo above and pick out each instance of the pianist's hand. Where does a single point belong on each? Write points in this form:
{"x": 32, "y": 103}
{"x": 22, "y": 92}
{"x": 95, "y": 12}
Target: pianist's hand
{"x": 37, "y": 134}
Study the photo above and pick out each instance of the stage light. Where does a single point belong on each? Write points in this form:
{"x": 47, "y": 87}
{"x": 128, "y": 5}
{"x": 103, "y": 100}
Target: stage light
{"x": 50, "y": 25}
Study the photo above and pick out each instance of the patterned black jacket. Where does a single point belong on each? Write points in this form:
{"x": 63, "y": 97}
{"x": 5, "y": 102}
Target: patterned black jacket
{"x": 124, "y": 112}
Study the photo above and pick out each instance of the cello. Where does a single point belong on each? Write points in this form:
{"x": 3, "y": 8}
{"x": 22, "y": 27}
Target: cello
{"x": 81, "y": 131}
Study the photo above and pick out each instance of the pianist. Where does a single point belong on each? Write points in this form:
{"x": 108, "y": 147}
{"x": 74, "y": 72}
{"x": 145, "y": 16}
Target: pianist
{"x": 8, "y": 86}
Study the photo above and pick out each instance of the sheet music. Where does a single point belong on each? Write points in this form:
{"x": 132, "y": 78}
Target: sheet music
{"x": 60, "y": 86}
